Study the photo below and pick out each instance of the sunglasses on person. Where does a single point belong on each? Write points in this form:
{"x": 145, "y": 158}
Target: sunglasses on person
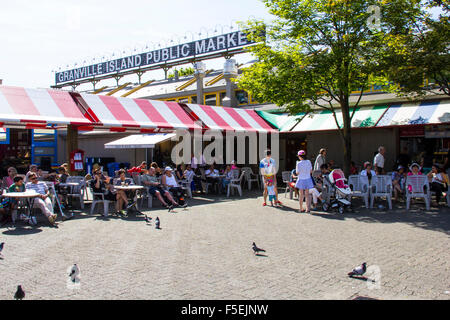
{"x": 34, "y": 178}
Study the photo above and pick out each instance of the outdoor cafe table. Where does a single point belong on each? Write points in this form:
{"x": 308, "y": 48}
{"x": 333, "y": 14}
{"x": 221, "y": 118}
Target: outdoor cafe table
{"x": 28, "y": 196}
{"x": 133, "y": 189}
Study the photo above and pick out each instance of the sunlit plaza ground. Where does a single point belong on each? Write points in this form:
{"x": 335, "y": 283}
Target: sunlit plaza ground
{"x": 204, "y": 252}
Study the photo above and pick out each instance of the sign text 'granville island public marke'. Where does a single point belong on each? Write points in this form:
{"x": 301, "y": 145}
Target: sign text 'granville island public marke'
{"x": 195, "y": 48}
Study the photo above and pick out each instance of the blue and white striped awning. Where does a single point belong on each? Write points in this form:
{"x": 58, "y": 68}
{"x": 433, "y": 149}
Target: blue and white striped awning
{"x": 428, "y": 112}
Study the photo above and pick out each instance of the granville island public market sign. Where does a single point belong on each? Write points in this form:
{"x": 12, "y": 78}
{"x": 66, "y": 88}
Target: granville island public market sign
{"x": 199, "y": 47}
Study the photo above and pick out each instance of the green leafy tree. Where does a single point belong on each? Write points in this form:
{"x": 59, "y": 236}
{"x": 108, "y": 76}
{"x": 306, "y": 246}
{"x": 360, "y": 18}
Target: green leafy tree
{"x": 418, "y": 50}
{"x": 316, "y": 53}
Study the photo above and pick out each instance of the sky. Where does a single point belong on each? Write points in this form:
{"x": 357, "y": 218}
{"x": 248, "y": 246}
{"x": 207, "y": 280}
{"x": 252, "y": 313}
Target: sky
{"x": 39, "y": 37}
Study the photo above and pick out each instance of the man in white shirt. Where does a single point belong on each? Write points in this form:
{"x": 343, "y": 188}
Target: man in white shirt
{"x": 378, "y": 160}
{"x": 43, "y": 201}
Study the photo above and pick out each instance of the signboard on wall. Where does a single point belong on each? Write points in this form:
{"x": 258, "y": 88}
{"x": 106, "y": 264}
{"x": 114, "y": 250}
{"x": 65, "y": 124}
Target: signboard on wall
{"x": 412, "y": 131}
{"x": 196, "y": 48}
{"x": 438, "y": 131}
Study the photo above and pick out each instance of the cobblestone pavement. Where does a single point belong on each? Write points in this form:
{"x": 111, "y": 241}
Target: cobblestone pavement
{"x": 204, "y": 252}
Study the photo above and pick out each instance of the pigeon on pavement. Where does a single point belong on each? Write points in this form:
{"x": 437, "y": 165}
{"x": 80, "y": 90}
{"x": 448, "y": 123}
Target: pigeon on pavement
{"x": 257, "y": 250}
{"x": 1, "y": 248}
{"x": 157, "y": 223}
{"x": 74, "y": 273}
{"x": 20, "y": 294}
{"x": 147, "y": 219}
{"x": 358, "y": 271}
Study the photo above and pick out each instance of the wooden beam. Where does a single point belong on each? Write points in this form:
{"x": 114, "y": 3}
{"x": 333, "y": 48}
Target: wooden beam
{"x": 191, "y": 81}
{"x": 126, "y": 94}
{"x": 99, "y": 90}
{"x": 118, "y": 89}
{"x": 72, "y": 143}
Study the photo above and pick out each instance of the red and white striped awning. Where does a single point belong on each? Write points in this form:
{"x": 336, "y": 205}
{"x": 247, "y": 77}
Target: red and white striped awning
{"x": 38, "y": 107}
{"x": 229, "y": 119}
{"x": 126, "y": 113}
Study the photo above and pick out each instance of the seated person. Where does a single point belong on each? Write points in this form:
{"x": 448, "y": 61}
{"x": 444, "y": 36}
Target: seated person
{"x": 398, "y": 179}
{"x": 292, "y": 181}
{"x": 233, "y": 165}
{"x": 189, "y": 174}
{"x": 143, "y": 165}
{"x": 368, "y": 172}
{"x": 122, "y": 195}
{"x": 179, "y": 172}
{"x": 211, "y": 175}
{"x": 414, "y": 171}
{"x": 17, "y": 186}
{"x": 42, "y": 202}
{"x": 9, "y": 179}
{"x": 4, "y": 208}
{"x": 158, "y": 171}
{"x": 437, "y": 181}
{"x": 353, "y": 169}
{"x": 169, "y": 183}
{"x": 228, "y": 173}
{"x": 323, "y": 172}
{"x": 315, "y": 195}
{"x": 61, "y": 190}
{"x": 150, "y": 180}
{"x": 99, "y": 185}
{"x": 33, "y": 169}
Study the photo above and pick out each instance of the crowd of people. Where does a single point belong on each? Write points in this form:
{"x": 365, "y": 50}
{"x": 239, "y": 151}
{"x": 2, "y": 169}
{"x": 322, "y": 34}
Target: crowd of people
{"x": 302, "y": 181}
{"x": 166, "y": 184}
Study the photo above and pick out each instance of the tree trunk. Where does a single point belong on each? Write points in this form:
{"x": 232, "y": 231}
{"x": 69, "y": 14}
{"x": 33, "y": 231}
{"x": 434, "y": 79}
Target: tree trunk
{"x": 347, "y": 136}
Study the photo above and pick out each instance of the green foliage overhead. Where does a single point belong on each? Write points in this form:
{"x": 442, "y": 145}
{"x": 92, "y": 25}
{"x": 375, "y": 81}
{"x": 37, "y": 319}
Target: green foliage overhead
{"x": 420, "y": 50}
{"x": 181, "y": 72}
{"x": 315, "y": 53}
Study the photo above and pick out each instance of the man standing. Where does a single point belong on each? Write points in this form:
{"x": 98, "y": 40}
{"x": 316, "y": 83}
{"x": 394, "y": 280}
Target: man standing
{"x": 268, "y": 170}
{"x": 320, "y": 160}
{"x": 378, "y": 160}
{"x": 43, "y": 201}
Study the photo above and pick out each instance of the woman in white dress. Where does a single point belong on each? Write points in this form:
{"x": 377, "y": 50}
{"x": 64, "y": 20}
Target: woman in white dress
{"x": 304, "y": 182}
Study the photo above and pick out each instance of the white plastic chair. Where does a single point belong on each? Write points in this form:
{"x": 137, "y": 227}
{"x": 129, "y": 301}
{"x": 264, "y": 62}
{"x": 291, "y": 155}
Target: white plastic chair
{"x": 235, "y": 184}
{"x": 360, "y": 187}
{"x": 286, "y": 176}
{"x": 77, "y": 191}
{"x": 381, "y": 186}
{"x": 186, "y": 185}
{"x": 415, "y": 189}
{"x": 250, "y": 176}
{"x": 101, "y": 200}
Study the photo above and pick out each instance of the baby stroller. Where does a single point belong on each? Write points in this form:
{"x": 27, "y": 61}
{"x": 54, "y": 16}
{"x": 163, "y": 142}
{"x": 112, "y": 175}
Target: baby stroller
{"x": 338, "y": 192}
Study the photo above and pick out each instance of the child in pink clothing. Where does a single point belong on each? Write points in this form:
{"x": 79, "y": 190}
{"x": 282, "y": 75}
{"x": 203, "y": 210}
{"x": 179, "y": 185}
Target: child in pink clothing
{"x": 415, "y": 171}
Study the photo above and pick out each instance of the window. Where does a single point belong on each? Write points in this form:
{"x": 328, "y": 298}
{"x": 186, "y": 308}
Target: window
{"x": 194, "y": 99}
{"x": 241, "y": 97}
{"x": 4, "y": 136}
{"x": 222, "y": 96}
{"x": 43, "y": 146}
{"x": 183, "y": 100}
{"x": 210, "y": 99}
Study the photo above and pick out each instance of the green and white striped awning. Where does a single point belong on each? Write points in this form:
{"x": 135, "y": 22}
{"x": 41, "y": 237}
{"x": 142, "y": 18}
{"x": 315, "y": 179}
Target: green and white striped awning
{"x": 364, "y": 117}
{"x": 282, "y": 121}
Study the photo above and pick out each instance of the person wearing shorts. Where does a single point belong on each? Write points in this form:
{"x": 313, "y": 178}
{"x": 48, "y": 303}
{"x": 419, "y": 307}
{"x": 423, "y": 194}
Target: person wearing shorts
{"x": 271, "y": 192}
{"x": 267, "y": 168}
{"x": 150, "y": 181}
